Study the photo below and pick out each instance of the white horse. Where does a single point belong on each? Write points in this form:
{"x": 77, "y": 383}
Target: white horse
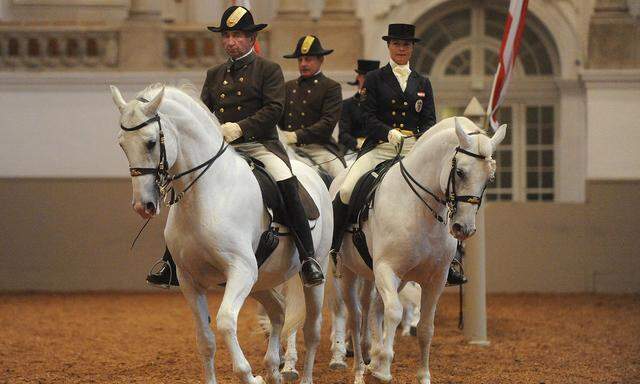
{"x": 214, "y": 230}
{"x": 408, "y": 242}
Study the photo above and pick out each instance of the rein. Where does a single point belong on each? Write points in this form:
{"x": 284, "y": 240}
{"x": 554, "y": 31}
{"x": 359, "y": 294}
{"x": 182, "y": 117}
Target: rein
{"x": 451, "y": 199}
{"x": 163, "y": 178}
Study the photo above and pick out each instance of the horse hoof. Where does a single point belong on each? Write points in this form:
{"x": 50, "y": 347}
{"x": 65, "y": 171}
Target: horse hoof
{"x": 290, "y": 375}
{"x": 337, "y": 364}
{"x": 413, "y": 331}
{"x": 381, "y": 377}
{"x": 349, "y": 353}
{"x": 366, "y": 360}
{"x": 259, "y": 380}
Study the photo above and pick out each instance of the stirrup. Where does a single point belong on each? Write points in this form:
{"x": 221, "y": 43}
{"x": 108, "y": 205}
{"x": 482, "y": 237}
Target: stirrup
{"x": 311, "y": 259}
{"x": 162, "y": 263}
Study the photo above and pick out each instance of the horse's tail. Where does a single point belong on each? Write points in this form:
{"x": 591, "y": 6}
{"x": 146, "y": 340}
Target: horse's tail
{"x": 294, "y": 314}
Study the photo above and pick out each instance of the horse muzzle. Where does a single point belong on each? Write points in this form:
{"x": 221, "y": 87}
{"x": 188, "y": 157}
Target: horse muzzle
{"x": 462, "y": 232}
{"x": 146, "y": 210}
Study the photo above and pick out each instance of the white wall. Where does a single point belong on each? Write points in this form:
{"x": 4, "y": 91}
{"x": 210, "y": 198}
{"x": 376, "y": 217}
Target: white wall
{"x": 613, "y": 124}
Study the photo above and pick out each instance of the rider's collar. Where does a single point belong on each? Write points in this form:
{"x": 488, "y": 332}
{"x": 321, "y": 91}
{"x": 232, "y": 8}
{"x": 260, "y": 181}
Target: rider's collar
{"x": 244, "y": 60}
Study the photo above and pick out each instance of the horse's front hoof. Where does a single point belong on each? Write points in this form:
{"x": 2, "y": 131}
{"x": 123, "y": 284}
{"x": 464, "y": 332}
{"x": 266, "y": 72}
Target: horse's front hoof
{"x": 290, "y": 375}
{"x": 381, "y": 377}
{"x": 337, "y": 364}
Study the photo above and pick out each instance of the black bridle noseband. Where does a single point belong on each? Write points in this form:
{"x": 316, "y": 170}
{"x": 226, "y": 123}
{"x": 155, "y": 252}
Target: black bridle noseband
{"x": 451, "y": 198}
{"x": 163, "y": 179}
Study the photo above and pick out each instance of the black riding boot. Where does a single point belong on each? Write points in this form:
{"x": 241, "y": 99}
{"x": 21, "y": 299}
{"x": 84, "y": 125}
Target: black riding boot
{"x": 340, "y": 217}
{"x": 166, "y": 275}
{"x": 456, "y": 273}
{"x": 310, "y": 271}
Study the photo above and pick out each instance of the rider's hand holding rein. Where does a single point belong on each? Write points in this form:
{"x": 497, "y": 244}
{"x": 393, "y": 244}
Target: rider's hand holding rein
{"x": 231, "y": 132}
{"x": 395, "y": 137}
{"x": 290, "y": 137}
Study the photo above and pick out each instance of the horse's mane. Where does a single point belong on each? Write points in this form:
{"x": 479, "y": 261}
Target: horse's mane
{"x": 187, "y": 95}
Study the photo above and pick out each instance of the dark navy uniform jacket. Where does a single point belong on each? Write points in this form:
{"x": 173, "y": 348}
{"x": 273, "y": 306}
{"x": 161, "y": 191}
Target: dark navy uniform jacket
{"x": 386, "y": 107}
{"x": 352, "y": 122}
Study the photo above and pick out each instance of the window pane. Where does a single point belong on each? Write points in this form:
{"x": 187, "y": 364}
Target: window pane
{"x": 532, "y": 136}
{"x": 532, "y": 158}
{"x": 547, "y": 180}
{"x": 533, "y": 196}
{"x": 547, "y": 136}
{"x": 505, "y": 179}
{"x": 547, "y": 158}
{"x": 539, "y": 153}
{"x": 547, "y": 196}
{"x": 506, "y": 196}
{"x": 504, "y": 159}
{"x": 532, "y": 180}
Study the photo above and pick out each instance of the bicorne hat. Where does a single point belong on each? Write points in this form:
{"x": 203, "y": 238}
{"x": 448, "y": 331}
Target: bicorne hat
{"x": 308, "y": 46}
{"x": 365, "y": 66}
{"x": 237, "y": 18}
{"x": 401, "y": 32}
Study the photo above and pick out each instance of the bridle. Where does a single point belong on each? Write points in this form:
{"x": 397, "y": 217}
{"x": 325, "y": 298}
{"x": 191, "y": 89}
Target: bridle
{"x": 451, "y": 198}
{"x": 163, "y": 179}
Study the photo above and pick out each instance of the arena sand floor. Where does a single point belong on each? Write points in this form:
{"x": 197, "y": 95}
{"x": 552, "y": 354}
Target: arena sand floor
{"x": 149, "y": 338}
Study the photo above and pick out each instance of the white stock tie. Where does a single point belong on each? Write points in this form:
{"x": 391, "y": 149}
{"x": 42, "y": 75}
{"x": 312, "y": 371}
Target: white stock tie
{"x": 402, "y": 74}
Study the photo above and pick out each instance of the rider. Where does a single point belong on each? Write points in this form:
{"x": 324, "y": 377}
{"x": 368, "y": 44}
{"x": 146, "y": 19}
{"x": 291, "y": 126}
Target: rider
{"x": 399, "y": 104}
{"x": 246, "y": 93}
{"x": 313, "y": 103}
{"x": 352, "y": 128}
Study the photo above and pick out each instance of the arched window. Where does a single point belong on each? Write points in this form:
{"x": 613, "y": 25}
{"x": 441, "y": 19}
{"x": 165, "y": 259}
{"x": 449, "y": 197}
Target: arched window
{"x": 459, "y": 52}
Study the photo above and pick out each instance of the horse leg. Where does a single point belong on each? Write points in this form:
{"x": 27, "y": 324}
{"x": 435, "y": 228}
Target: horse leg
{"x": 289, "y": 371}
{"x": 273, "y": 304}
{"x": 387, "y": 283}
{"x": 365, "y": 303}
{"x": 376, "y": 315}
{"x": 354, "y": 321}
{"x": 239, "y": 283}
{"x": 338, "y": 318}
{"x": 428, "y": 300}
{"x": 314, "y": 297}
{"x": 205, "y": 338}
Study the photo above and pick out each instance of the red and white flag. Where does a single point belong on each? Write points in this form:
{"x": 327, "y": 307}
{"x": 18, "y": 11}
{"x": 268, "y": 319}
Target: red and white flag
{"x": 247, "y": 4}
{"x": 508, "y": 52}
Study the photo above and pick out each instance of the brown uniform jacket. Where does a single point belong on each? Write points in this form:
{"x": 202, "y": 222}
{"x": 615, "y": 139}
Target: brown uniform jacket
{"x": 312, "y": 109}
{"x": 250, "y": 92}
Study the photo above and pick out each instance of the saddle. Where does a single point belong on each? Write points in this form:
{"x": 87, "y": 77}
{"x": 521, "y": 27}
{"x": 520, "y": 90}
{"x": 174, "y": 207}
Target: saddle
{"x": 361, "y": 202}
{"x": 274, "y": 203}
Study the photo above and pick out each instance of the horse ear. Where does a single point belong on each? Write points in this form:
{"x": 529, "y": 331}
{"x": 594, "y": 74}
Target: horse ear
{"x": 117, "y": 97}
{"x": 463, "y": 138}
{"x": 498, "y": 136}
{"x": 150, "y": 108}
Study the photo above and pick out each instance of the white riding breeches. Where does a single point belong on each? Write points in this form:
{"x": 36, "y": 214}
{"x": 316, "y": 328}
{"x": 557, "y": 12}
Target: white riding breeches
{"x": 367, "y": 162}
{"x": 276, "y": 167}
{"x": 320, "y": 155}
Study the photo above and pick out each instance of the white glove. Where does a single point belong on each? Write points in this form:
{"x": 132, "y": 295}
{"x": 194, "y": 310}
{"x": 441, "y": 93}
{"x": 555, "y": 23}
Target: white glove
{"x": 231, "y": 131}
{"x": 289, "y": 137}
{"x": 395, "y": 137}
{"x": 359, "y": 142}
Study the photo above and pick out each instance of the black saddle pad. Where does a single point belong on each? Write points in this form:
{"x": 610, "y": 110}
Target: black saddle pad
{"x": 273, "y": 198}
{"x": 364, "y": 191}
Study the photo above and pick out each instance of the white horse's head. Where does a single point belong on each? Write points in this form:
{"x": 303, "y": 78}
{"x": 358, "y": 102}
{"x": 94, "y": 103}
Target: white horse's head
{"x": 140, "y": 139}
{"x": 472, "y": 167}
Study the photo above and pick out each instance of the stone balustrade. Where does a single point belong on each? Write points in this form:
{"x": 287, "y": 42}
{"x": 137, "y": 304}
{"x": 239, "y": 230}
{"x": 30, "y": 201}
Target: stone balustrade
{"x": 58, "y": 47}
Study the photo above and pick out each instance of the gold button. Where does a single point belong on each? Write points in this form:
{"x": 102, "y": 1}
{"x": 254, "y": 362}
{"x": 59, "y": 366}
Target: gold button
{"x": 290, "y": 114}
{"x": 404, "y": 113}
{"x": 222, "y": 95}
{"x": 401, "y": 125}
{"x": 221, "y": 110}
{"x": 225, "y": 82}
{"x": 308, "y": 91}
{"x": 405, "y": 103}
{"x": 239, "y": 107}
{"x": 301, "y": 113}
{"x": 241, "y": 79}
{"x": 393, "y": 101}
{"x": 289, "y": 126}
{"x": 393, "y": 113}
{"x": 291, "y": 102}
{"x": 294, "y": 91}
{"x": 301, "y": 125}
{"x": 228, "y": 70}
{"x": 304, "y": 101}
{"x": 315, "y": 82}
{"x": 239, "y": 93}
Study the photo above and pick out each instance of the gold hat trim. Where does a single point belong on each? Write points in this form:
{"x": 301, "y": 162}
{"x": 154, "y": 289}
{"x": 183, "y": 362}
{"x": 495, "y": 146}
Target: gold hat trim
{"x": 306, "y": 44}
{"x": 233, "y": 19}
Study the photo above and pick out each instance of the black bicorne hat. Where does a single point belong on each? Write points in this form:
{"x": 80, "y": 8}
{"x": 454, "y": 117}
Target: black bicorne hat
{"x": 237, "y": 18}
{"x": 365, "y": 66}
{"x": 308, "y": 46}
{"x": 401, "y": 32}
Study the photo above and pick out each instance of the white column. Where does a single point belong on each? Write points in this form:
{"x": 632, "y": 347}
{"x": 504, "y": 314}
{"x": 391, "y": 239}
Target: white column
{"x": 474, "y": 304}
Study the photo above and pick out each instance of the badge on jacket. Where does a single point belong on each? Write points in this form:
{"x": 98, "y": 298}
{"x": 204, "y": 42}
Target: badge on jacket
{"x": 418, "y": 105}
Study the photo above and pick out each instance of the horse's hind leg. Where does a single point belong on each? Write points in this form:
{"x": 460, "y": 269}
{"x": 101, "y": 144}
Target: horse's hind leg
{"x": 365, "y": 303}
{"x": 289, "y": 371}
{"x": 273, "y": 305}
{"x": 354, "y": 321}
{"x": 338, "y": 319}
{"x": 239, "y": 283}
{"x": 197, "y": 299}
{"x": 387, "y": 283}
{"x": 314, "y": 296}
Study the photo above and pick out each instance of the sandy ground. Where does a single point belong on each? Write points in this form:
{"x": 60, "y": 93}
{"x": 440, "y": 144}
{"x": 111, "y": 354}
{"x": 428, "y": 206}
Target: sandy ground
{"x": 149, "y": 338}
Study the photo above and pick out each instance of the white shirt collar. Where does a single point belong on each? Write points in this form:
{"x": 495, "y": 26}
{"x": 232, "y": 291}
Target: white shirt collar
{"x": 243, "y": 56}
{"x": 396, "y": 65}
